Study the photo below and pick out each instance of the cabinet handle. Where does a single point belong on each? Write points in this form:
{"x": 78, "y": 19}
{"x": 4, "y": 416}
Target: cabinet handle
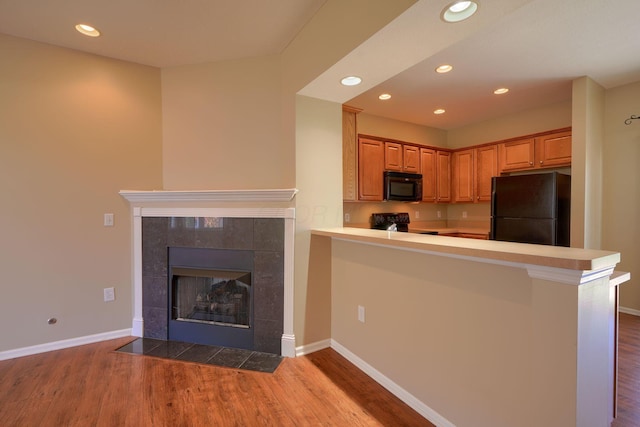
{"x": 530, "y": 163}
{"x": 541, "y": 162}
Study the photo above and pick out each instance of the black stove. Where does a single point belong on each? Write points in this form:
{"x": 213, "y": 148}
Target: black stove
{"x": 388, "y": 221}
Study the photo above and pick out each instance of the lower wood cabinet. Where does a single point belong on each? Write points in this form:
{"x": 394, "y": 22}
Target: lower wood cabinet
{"x": 467, "y": 235}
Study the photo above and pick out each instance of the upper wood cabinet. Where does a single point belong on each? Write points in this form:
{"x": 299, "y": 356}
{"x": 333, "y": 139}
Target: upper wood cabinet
{"x": 349, "y": 153}
{"x": 443, "y": 181}
{"x": 546, "y": 151}
{"x": 472, "y": 173}
{"x": 554, "y": 150}
{"x": 435, "y": 169}
{"x": 486, "y": 168}
{"x": 401, "y": 157}
{"x": 370, "y": 168}
{"x": 463, "y": 175}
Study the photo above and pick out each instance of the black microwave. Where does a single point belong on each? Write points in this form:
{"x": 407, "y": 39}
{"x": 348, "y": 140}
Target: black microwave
{"x": 400, "y": 186}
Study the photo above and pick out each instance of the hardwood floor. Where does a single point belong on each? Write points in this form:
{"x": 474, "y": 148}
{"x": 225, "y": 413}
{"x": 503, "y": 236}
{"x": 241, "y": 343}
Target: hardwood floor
{"x": 628, "y": 372}
{"x": 93, "y": 385}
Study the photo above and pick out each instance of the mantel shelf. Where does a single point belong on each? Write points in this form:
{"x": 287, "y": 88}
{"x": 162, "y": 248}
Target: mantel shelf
{"x": 266, "y": 195}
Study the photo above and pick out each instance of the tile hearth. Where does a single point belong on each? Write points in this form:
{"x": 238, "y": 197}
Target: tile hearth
{"x": 204, "y": 354}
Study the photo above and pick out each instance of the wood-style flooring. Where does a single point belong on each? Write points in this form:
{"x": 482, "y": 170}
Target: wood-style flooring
{"x": 93, "y": 385}
{"x": 628, "y": 372}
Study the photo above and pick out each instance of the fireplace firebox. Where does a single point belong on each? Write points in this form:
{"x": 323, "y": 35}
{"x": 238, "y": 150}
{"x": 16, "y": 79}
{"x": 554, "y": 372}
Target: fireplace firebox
{"x": 210, "y": 296}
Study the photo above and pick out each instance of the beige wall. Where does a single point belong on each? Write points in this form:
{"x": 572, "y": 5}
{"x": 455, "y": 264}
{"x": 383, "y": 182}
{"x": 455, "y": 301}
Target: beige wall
{"x": 525, "y": 122}
{"x": 586, "y": 174}
{"x": 479, "y": 344}
{"x": 74, "y": 130}
{"x": 318, "y": 205}
{"x": 401, "y": 131}
{"x": 77, "y": 128}
{"x": 222, "y": 127}
{"x": 621, "y": 186}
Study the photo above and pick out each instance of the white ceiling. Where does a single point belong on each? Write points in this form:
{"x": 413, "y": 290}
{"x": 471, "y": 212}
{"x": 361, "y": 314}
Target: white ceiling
{"x": 162, "y": 33}
{"x": 534, "y": 47}
{"x": 536, "y": 51}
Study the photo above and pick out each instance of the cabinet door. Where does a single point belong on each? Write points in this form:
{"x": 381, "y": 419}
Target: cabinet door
{"x": 553, "y": 150}
{"x": 486, "y": 168}
{"x": 516, "y": 155}
{"x": 349, "y": 156}
{"x": 429, "y": 174}
{"x": 411, "y": 158}
{"x": 443, "y": 181}
{"x": 370, "y": 169}
{"x": 463, "y": 176}
{"x": 393, "y": 156}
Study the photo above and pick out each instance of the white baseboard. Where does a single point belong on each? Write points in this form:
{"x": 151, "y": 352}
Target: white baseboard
{"x": 394, "y": 388}
{"x": 629, "y": 311}
{"x": 58, "y": 345}
{"x": 288, "y": 345}
{"x": 313, "y": 347}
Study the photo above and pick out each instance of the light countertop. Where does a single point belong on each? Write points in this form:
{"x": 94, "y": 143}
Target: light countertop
{"x": 522, "y": 253}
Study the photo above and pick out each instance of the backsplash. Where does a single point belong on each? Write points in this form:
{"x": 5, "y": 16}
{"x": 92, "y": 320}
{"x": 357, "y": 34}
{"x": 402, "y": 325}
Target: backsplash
{"x": 467, "y": 215}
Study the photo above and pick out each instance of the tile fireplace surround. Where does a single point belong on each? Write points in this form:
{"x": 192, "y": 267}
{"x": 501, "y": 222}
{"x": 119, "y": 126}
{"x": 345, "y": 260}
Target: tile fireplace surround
{"x": 249, "y": 209}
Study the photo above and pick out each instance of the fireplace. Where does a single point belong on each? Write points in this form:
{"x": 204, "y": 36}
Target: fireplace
{"x": 210, "y": 297}
{"x": 166, "y": 217}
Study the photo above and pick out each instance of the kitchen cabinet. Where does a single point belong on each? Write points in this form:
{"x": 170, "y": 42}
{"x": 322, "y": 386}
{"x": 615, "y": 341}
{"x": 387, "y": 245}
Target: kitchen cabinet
{"x": 401, "y": 157}
{"x": 436, "y": 176}
{"x": 463, "y": 176}
{"x": 472, "y": 173}
{"x": 467, "y": 235}
{"x": 545, "y": 151}
{"x": 486, "y": 168}
{"x": 443, "y": 181}
{"x": 349, "y": 153}
{"x": 554, "y": 150}
{"x": 370, "y": 168}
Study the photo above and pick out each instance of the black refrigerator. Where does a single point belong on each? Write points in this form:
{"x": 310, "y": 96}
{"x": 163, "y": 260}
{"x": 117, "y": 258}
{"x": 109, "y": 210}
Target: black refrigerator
{"x": 533, "y": 208}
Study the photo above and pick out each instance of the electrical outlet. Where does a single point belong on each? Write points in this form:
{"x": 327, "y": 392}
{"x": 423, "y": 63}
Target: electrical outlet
{"x": 108, "y": 220}
{"x": 109, "y": 294}
{"x": 417, "y": 214}
{"x": 439, "y": 214}
{"x": 361, "y": 313}
{"x": 464, "y": 214}
{"x": 347, "y": 217}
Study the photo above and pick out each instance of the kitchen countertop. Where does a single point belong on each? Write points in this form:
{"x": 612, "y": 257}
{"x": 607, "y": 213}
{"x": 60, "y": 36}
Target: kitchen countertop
{"x": 521, "y": 253}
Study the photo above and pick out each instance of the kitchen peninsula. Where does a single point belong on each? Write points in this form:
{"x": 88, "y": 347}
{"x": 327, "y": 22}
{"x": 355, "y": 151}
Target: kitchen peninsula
{"x": 477, "y": 332}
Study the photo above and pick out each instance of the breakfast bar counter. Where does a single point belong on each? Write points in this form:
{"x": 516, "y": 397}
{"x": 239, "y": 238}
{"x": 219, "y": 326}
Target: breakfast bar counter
{"x": 488, "y": 250}
{"x": 477, "y": 332}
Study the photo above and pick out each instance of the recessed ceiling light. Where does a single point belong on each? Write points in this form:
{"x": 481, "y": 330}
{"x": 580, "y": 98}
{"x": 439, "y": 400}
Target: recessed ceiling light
{"x": 87, "y": 30}
{"x": 444, "y": 68}
{"x": 439, "y": 111}
{"x": 384, "y": 96}
{"x": 351, "y": 81}
{"x": 501, "y": 91}
{"x": 459, "y": 11}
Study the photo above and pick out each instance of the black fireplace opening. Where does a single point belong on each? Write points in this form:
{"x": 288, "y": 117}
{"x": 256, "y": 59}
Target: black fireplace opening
{"x": 210, "y": 296}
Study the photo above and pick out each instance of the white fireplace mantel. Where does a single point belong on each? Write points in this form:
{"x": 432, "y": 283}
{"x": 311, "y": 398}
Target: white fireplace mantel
{"x": 169, "y": 196}
{"x": 169, "y": 204}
